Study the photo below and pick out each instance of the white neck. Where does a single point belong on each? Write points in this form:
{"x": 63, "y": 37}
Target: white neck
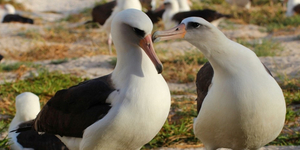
{"x": 131, "y": 61}
{"x": 227, "y": 60}
{"x": 126, "y": 4}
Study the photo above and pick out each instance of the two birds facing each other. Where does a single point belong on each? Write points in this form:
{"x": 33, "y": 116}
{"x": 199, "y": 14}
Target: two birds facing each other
{"x": 241, "y": 105}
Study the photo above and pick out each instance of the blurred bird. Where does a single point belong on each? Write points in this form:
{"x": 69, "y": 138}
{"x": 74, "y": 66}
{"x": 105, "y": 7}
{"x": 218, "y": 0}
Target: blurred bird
{"x": 173, "y": 17}
{"x": 27, "y": 108}
{"x": 171, "y": 8}
{"x": 293, "y": 7}
{"x": 6, "y": 9}
{"x": 101, "y": 13}
{"x": 156, "y": 15}
{"x": 1, "y": 57}
{"x": 16, "y": 18}
{"x": 8, "y": 14}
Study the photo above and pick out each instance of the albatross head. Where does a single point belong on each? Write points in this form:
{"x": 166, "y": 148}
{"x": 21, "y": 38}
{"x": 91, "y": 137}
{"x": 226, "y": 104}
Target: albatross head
{"x": 132, "y": 28}
{"x": 195, "y": 30}
{"x": 171, "y": 4}
{"x": 10, "y": 9}
{"x": 192, "y": 28}
{"x": 27, "y": 106}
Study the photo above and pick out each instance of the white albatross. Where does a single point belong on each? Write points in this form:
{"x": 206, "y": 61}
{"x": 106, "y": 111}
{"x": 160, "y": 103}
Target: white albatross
{"x": 171, "y": 8}
{"x": 6, "y": 9}
{"x": 123, "y": 110}
{"x": 244, "y": 107}
{"x": 27, "y": 108}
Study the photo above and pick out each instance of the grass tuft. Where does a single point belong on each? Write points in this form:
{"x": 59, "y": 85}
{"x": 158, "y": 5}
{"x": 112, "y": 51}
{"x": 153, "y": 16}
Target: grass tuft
{"x": 263, "y": 47}
{"x": 182, "y": 68}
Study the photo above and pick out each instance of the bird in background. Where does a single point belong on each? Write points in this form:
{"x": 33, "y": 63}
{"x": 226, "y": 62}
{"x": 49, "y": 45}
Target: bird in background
{"x": 8, "y": 14}
{"x": 122, "y": 110}
{"x": 103, "y": 14}
{"x": 6, "y": 9}
{"x": 172, "y": 16}
{"x": 156, "y": 14}
{"x": 1, "y": 57}
{"x": 241, "y": 106}
{"x": 171, "y": 8}
{"x": 27, "y": 108}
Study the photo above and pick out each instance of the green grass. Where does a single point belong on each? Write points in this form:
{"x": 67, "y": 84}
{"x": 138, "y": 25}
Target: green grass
{"x": 44, "y": 85}
{"x": 4, "y": 142}
{"x": 183, "y": 68}
{"x": 288, "y": 139}
{"x": 263, "y": 47}
{"x": 6, "y": 67}
{"x": 59, "y": 61}
{"x": 113, "y": 61}
{"x": 292, "y": 96}
{"x": 31, "y": 34}
{"x": 178, "y": 130}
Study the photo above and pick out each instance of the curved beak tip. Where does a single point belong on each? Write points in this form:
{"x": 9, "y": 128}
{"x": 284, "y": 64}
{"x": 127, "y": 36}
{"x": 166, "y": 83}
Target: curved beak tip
{"x": 159, "y": 69}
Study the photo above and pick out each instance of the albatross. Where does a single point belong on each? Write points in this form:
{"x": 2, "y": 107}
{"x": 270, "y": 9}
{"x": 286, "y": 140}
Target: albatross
{"x": 27, "y": 107}
{"x": 8, "y": 14}
{"x": 101, "y": 13}
{"x": 123, "y": 110}
{"x": 244, "y": 107}
{"x": 172, "y": 15}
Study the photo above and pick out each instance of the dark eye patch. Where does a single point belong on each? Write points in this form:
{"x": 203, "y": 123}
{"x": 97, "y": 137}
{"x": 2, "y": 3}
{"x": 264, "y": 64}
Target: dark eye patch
{"x": 194, "y": 25}
{"x": 139, "y": 32}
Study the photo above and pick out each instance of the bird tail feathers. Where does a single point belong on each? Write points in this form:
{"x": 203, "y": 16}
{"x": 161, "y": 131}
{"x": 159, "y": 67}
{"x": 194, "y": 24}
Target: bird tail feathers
{"x": 24, "y": 126}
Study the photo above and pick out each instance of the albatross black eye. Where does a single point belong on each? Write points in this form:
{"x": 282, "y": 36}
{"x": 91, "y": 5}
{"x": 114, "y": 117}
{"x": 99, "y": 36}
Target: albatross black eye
{"x": 194, "y": 24}
{"x": 139, "y": 32}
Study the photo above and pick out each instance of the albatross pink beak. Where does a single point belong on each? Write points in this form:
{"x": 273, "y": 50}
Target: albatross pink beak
{"x": 147, "y": 45}
{"x": 174, "y": 33}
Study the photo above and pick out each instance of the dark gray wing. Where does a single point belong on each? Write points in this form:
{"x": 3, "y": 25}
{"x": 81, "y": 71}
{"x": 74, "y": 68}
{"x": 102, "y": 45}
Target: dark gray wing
{"x": 72, "y": 110}
{"x": 31, "y": 139}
